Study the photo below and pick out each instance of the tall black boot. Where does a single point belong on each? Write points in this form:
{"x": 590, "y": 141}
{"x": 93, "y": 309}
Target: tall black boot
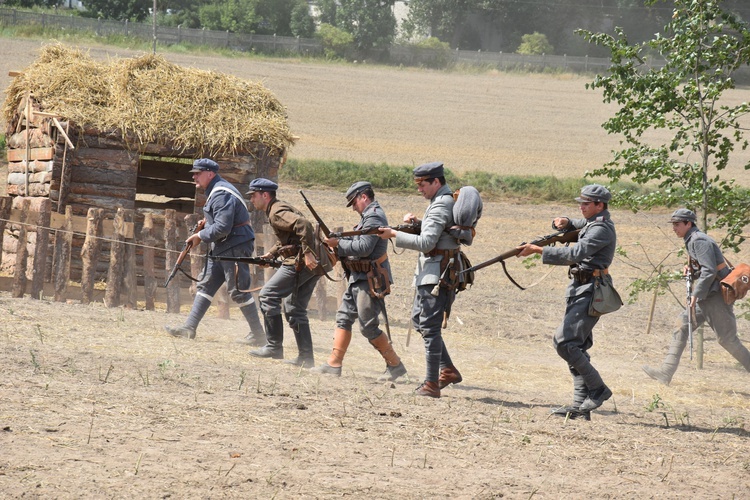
{"x": 257, "y": 336}
{"x": 305, "y": 358}
{"x": 274, "y": 347}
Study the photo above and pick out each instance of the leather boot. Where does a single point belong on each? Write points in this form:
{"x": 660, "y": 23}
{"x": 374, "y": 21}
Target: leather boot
{"x": 341, "y": 339}
{"x": 449, "y": 375}
{"x": 596, "y": 398}
{"x": 181, "y": 331}
{"x": 429, "y": 389}
{"x": 274, "y": 347}
{"x": 738, "y": 351}
{"x": 256, "y": 337}
{"x": 580, "y": 393}
{"x": 305, "y": 358}
{"x": 665, "y": 372}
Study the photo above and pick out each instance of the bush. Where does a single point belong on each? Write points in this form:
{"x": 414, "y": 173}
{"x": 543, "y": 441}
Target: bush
{"x": 535, "y": 44}
{"x": 336, "y": 42}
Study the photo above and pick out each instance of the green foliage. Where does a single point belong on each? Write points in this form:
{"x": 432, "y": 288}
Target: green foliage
{"x": 439, "y": 18}
{"x": 336, "y": 42}
{"x": 133, "y": 10}
{"x": 2, "y": 143}
{"x": 237, "y": 16}
{"x": 372, "y": 24}
{"x": 342, "y": 174}
{"x": 703, "y": 48}
{"x": 26, "y": 4}
{"x": 302, "y": 23}
{"x": 535, "y": 44}
{"x": 431, "y": 52}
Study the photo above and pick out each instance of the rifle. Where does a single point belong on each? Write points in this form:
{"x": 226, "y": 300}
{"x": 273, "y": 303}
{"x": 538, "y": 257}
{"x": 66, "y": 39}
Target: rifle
{"x": 550, "y": 239}
{"x": 256, "y": 261}
{"x": 689, "y": 287}
{"x": 196, "y": 228}
{"x": 411, "y": 227}
{"x": 322, "y": 224}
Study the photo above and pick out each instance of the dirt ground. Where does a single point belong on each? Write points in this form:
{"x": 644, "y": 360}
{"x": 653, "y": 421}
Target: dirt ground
{"x": 102, "y": 403}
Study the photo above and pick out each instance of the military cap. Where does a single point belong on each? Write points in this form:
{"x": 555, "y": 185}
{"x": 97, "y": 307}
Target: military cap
{"x": 261, "y": 184}
{"x": 355, "y": 190}
{"x": 683, "y": 215}
{"x": 205, "y": 165}
{"x": 595, "y": 193}
{"x": 428, "y": 171}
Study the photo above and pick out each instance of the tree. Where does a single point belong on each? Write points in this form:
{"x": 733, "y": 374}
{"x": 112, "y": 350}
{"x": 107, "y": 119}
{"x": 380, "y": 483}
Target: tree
{"x": 302, "y": 23}
{"x": 133, "y": 10}
{"x": 442, "y": 19}
{"x": 371, "y": 22}
{"x": 237, "y": 16}
{"x": 534, "y": 44}
{"x": 703, "y": 47}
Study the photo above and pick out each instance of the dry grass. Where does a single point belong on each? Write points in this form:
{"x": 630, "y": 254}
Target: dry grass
{"x": 151, "y": 100}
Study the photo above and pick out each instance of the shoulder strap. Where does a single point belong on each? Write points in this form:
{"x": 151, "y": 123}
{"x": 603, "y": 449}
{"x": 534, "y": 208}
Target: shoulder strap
{"x": 231, "y": 191}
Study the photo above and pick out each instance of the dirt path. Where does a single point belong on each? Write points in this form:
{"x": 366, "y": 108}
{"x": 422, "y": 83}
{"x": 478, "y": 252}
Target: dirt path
{"x": 101, "y": 402}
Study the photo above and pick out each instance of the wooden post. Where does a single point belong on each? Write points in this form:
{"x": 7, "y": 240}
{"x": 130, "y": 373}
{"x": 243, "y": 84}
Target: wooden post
{"x": 41, "y": 248}
{"x": 170, "y": 243}
{"x": 65, "y": 176}
{"x": 6, "y": 202}
{"x": 22, "y": 254}
{"x": 196, "y": 254}
{"x": 130, "y": 278}
{"x": 116, "y": 264}
{"x": 149, "y": 276}
{"x": 90, "y": 253}
{"x": 61, "y": 259}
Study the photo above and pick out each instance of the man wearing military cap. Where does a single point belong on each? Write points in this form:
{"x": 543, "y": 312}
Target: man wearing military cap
{"x": 436, "y": 247}
{"x": 290, "y": 288}
{"x": 228, "y": 232}
{"x": 708, "y": 268}
{"x": 590, "y": 257}
{"x": 365, "y": 261}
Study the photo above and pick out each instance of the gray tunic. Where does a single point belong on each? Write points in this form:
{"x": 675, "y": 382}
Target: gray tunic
{"x": 367, "y": 246}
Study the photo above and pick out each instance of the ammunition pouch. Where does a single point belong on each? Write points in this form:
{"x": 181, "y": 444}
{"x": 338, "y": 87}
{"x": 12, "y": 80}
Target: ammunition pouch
{"x": 288, "y": 251}
{"x": 584, "y": 276}
{"x": 357, "y": 266}
{"x": 377, "y": 278}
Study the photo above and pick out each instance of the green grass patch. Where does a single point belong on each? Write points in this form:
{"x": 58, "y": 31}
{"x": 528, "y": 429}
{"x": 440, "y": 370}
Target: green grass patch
{"x": 340, "y": 175}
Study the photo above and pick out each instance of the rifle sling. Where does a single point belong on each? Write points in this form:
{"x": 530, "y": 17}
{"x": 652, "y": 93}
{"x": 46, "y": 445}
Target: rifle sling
{"x": 505, "y": 270}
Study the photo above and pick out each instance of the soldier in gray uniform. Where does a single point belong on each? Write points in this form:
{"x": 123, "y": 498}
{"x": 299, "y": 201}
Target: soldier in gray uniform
{"x": 588, "y": 258}
{"x": 228, "y": 231}
{"x": 365, "y": 261}
{"x": 708, "y": 268}
{"x": 290, "y": 288}
{"x": 436, "y": 247}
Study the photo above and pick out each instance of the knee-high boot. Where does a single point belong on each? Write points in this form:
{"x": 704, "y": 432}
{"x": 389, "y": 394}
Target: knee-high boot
{"x": 201, "y": 303}
{"x": 305, "y": 357}
{"x": 341, "y": 339}
{"x": 257, "y": 336}
{"x": 274, "y": 347}
{"x": 665, "y": 372}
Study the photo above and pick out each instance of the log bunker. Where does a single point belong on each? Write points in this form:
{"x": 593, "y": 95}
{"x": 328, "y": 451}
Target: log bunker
{"x": 121, "y": 135}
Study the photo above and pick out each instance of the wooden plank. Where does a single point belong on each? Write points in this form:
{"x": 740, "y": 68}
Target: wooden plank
{"x": 96, "y": 173}
{"x": 61, "y": 266}
{"x": 172, "y": 189}
{"x": 22, "y": 254}
{"x": 149, "y": 275}
{"x": 116, "y": 264}
{"x": 130, "y": 280}
{"x": 90, "y": 253}
{"x": 41, "y": 248}
{"x": 34, "y": 154}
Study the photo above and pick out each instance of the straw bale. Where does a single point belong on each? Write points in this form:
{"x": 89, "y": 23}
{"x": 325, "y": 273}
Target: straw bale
{"x": 150, "y": 100}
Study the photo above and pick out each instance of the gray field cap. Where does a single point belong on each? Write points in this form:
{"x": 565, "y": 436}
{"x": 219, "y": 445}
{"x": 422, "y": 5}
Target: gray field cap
{"x": 355, "y": 190}
{"x": 428, "y": 171}
{"x": 595, "y": 193}
{"x": 261, "y": 184}
{"x": 205, "y": 165}
{"x": 683, "y": 215}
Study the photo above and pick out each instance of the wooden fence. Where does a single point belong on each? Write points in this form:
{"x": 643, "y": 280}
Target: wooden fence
{"x": 121, "y": 261}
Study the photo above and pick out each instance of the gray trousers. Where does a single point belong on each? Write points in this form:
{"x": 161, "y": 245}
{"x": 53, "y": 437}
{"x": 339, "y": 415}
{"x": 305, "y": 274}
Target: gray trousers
{"x": 235, "y": 274}
{"x": 290, "y": 290}
{"x": 427, "y": 318}
{"x": 574, "y": 337}
{"x": 358, "y": 305}
{"x": 719, "y": 316}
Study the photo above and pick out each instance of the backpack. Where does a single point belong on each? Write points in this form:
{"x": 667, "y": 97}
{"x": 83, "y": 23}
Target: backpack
{"x": 467, "y": 210}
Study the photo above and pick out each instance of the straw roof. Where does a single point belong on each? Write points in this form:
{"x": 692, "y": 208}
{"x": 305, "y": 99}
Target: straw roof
{"x": 150, "y": 100}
